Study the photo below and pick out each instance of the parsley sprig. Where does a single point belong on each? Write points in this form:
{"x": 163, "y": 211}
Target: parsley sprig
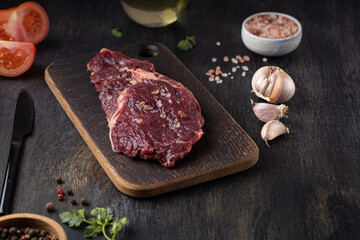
{"x": 116, "y": 32}
{"x": 187, "y": 44}
{"x": 102, "y": 218}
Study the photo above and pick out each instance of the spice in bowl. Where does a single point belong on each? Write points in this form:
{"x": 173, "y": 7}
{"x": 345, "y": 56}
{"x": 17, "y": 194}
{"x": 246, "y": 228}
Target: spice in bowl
{"x": 273, "y": 26}
{"x": 15, "y": 233}
{"x": 271, "y": 33}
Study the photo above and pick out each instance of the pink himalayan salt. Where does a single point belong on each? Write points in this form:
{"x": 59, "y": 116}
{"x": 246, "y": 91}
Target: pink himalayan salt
{"x": 271, "y": 26}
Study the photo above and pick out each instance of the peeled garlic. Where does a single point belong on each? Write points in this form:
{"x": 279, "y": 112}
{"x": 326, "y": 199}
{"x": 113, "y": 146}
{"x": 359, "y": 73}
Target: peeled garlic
{"x": 273, "y": 84}
{"x": 267, "y": 112}
{"x": 273, "y": 129}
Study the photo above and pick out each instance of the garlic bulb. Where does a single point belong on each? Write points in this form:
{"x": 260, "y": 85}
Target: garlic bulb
{"x": 267, "y": 112}
{"x": 273, "y": 129}
{"x": 273, "y": 84}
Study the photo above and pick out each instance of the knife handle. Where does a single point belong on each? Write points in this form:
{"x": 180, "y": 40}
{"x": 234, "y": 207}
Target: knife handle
{"x": 10, "y": 178}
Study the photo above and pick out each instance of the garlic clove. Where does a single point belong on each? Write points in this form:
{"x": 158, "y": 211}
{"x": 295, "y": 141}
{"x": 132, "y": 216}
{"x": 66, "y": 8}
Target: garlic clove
{"x": 263, "y": 86}
{"x": 273, "y": 129}
{"x": 259, "y": 81}
{"x": 273, "y": 84}
{"x": 288, "y": 90}
{"x": 270, "y": 88}
{"x": 267, "y": 112}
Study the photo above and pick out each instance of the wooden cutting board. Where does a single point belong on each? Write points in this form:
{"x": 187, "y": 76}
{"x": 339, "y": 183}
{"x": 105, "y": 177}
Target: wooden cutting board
{"x": 224, "y": 149}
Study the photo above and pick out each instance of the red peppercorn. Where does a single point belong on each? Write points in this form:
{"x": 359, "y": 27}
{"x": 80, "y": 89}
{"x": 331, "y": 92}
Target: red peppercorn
{"x": 60, "y": 196}
{"x": 60, "y": 191}
{"x": 49, "y": 236}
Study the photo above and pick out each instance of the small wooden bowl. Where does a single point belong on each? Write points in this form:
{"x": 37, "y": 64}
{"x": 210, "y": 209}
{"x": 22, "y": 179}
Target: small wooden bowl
{"x": 33, "y": 221}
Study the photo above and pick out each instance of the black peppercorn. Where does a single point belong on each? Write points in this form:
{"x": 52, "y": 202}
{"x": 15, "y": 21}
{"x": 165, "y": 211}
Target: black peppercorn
{"x": 19, "y": 232}
{"x": 59, "y": 180}
{"x": 50, "y": 207}
{"x": 12, "y": 231}
{"x": 70, "y": 192}
{"x": 74, "y": 202}
{"x": 43, "y": 233}
{"x": 32, "y": 233}
{"x": 84, "y": 201}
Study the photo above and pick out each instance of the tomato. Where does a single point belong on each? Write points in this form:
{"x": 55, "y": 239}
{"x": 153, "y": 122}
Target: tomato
{"x": 15, "y": 57}
{"x": 4, "y": 18}
{"x": 26, "y": 23}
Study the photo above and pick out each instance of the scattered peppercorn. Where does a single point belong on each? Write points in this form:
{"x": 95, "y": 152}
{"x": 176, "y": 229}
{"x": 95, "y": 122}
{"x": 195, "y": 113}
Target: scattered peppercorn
{"x": 50, "y": 207}
{"x": 84, "y": 201}
{"x": 60, "y": 191}
{"x": 70, "y": 192}
{"x": 74, "y": 202}
{"x": 59, "y": 180}
{"x": 60, "y": 197}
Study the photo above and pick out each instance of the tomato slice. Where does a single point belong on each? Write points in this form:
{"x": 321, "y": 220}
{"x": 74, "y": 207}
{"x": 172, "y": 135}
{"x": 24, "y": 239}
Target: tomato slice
{"x": 4, "y": 18}
{"x": 33, "y": 21}
{"x": 26, "y": 23}
{"x": 16, "y": 57}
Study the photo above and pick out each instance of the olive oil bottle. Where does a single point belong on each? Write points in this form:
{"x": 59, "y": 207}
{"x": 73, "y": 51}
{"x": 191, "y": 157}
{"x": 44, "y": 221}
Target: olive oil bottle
{"x": 154, "y": 13}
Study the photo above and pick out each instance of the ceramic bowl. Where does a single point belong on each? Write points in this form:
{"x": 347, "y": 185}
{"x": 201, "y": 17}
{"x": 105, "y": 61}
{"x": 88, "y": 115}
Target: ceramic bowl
{"x": 33, "y": 221}
{"x": 271, "y": 47}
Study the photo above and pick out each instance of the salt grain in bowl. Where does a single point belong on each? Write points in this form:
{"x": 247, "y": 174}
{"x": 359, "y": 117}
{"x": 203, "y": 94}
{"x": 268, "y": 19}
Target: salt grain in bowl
{"x": 272, "y": 26}
{"x": 271, "y": 33}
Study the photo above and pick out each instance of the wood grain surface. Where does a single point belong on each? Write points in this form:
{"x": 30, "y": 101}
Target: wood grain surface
{"x": 224, "y": 148}
{"x": 305, "y": 186}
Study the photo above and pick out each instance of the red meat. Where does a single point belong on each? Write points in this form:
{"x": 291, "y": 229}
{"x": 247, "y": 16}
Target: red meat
{"x": 149, "y": 114}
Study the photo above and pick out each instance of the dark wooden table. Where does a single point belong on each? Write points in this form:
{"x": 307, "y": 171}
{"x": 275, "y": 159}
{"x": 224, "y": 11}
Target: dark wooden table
{"x": 305, "y": 186}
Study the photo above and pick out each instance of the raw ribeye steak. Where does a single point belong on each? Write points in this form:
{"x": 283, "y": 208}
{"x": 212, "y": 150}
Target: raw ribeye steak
{"x": 149, "y": 114}
{"x": 156, "y": 119}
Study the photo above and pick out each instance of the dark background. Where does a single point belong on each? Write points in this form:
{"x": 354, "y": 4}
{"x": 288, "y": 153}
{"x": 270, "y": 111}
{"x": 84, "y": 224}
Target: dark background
{"x": 305, "y": 186}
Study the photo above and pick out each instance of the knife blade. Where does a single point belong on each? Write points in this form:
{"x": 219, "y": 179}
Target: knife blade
{"x": 23, "y": 123}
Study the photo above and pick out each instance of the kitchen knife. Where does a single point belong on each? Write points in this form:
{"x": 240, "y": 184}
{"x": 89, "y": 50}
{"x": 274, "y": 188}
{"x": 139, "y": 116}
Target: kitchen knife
{"x": 23, "y": 122}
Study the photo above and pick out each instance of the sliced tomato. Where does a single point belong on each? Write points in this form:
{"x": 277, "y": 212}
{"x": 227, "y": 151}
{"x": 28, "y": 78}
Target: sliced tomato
{"x": 4, "y": 18}
{"x": 26, "y": 23}
{"x": 16, "y": 57}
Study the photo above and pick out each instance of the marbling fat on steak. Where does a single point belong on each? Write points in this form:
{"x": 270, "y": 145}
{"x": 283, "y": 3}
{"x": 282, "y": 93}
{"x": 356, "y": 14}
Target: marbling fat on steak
{"x": 149, "y": 114}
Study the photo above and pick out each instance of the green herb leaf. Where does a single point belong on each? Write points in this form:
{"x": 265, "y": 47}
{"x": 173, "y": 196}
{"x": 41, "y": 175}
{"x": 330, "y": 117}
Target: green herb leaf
{"x": 92, "y": 231}
{"x": 116, "y": 32}
{"x": 192, "y": 39}
{"x": 103, "y": 215}
{"x": 73, "y": 218}
{"x": 187, "y": 44}
{"x": 117, "y": 225}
